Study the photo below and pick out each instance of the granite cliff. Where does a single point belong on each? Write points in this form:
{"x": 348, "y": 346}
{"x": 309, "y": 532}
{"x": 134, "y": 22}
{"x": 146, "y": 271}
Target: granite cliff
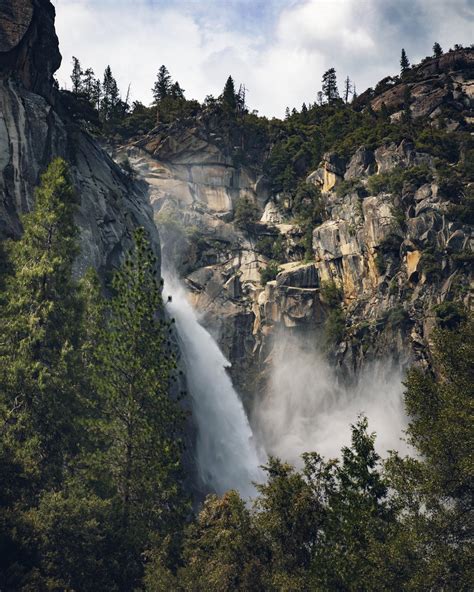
{"x": 35, "y": 127}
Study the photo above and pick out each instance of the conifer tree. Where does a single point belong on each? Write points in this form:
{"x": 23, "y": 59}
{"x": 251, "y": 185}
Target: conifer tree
{"x": 163, "y": 85}
{"x": 76, "y": 76}
{"x": 404, "y": 63}
{"x": 437, "y": 50}
{"x": 110, "y": 95}
{"x": 330, "y": 86}
{"x": 176, "y": 91}
{"x": 229, "y": 100}
{"x": 347, "y": 89}
{"x": 39, "y": 356}
{"x": 134, "y": 373}
{"x": 88, "y": 84}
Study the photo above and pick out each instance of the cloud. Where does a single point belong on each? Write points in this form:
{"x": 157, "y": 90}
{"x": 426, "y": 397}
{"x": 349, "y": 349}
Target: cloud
{"x": 279, "y": 49}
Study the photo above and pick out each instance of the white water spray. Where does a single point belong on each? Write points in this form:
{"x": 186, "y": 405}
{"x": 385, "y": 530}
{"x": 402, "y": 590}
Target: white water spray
{"x": 226, "y": 453}
{"x": 306, "y": 408}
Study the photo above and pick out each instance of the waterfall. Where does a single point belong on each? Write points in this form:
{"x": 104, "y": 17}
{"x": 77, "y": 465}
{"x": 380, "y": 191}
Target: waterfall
{"x": 226, "y": 453}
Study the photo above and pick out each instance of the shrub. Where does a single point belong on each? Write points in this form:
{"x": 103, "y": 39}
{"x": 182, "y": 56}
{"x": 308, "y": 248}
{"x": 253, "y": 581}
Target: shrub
{"x": 331, "y": 294}
{"x": 271, "y": 247}
{"x": 246, "y": 213}
{"x": 269, "y": 273}
{"x": 449, "y": 315}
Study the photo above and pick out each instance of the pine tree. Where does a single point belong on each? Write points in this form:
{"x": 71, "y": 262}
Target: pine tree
{"x": 404, "y": 63}
{"x": 176, "y": 91}
{"x": 76, "y": 76}
{"x": 163, "y": 85}
{"x": 228, "y": 98}
{"x": 96, "y": 94}
{"x": 110, "y": 96}
{"x": 347, "y": 89}
{"x": 437, "y": 50}
{"x": 134, "y": 373}
{"x": 330, "y": 86}
{"x": 88, "y": 84}
{"x": 39, "y": 347}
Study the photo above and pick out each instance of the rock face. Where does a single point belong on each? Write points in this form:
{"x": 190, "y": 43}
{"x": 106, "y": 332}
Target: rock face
{"x": 28, "y": 44}
{"x": 437, "y": 83}
{"x": 34, "y": 129}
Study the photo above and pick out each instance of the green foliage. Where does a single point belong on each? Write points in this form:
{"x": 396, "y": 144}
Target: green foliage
{"x": 404, "y": 63}
{"x": 430, "y": 264}
{"x": 272, "y": 247}
{"x": 221, "y": 551}
{"x": 134, "y": 373}
{"x": 269, "y": 273}
{"x": 331, "y": 293}
{"x": 307, "y": 206}
{"x": 39, "y": 320}
{"x": 329, "y": 87}
{"x": 334, "y": 325}
{"x": 437, "y": 51}
{"x": 449, "y": 315}
{"x": 436, "y": 490}
{"x": 229, "y": 101}
{"x": 246, "y": 213}
{"x": 162, "y": 87}
{"x": 395, "y": 180}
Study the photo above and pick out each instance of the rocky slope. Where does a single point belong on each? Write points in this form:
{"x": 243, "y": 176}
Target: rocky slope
{"x": 388, "y": 241}
{"x": 35, "y": 127}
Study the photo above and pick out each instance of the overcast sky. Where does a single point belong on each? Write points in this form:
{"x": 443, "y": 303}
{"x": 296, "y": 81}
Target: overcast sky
{"x": 278, "y": 48}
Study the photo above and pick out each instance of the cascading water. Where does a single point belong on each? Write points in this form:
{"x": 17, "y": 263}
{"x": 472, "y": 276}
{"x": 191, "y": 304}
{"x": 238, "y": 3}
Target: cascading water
{"x": 226, "y": 452}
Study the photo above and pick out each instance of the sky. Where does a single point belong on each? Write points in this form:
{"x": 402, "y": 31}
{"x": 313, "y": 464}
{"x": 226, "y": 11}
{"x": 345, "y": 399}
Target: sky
{"x": 278, "y": 48}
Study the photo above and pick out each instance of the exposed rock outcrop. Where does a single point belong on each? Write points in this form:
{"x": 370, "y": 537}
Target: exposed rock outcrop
{"x": 34, "y": 129}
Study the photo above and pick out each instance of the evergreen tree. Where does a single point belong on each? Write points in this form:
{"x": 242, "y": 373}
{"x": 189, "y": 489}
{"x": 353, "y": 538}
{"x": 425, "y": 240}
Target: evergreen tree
{"x": 76, "y": 76}
{"x": 88, "y": 84}
{"x": 222, "y": 551}
{"x": 134, "y": 373}
{"x": 110, "y": 96}
{"x": 347, "y": 89}
{"x": 176, "y": 91}
{"x": 228, "y": 98}
{"x": 163, "y": 85}
{"x": 39, "y": 357}
{"x": 436, "y": 489}
{"x": 437, "y": 50}
{"x": 96, "y": 94}
{"x": 404, "y": 63}
{"x": 329, "y": 88}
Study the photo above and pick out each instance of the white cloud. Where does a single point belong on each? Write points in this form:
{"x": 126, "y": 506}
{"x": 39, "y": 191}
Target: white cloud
{"x": 360, "y": 38}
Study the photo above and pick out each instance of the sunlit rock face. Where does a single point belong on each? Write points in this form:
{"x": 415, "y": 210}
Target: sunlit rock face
{"x": 34, "y": 129}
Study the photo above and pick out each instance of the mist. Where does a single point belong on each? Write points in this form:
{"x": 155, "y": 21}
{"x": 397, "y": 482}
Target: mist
{"x": 306, "y": 408}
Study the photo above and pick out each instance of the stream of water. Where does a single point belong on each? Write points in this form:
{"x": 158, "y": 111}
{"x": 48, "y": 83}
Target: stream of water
{"x": 226, "y": 452}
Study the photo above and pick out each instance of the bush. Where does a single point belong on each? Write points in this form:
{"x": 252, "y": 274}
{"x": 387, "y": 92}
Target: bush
{"x": 449, "y": 315}
{"x": 430, "y": 265}
{"x": 394, "y": 180}
{"x": 246, "y": 213}
{"x": 269, "y": 273}
{"x": 271, "y": 247}
{"x": 331, "y": 294}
